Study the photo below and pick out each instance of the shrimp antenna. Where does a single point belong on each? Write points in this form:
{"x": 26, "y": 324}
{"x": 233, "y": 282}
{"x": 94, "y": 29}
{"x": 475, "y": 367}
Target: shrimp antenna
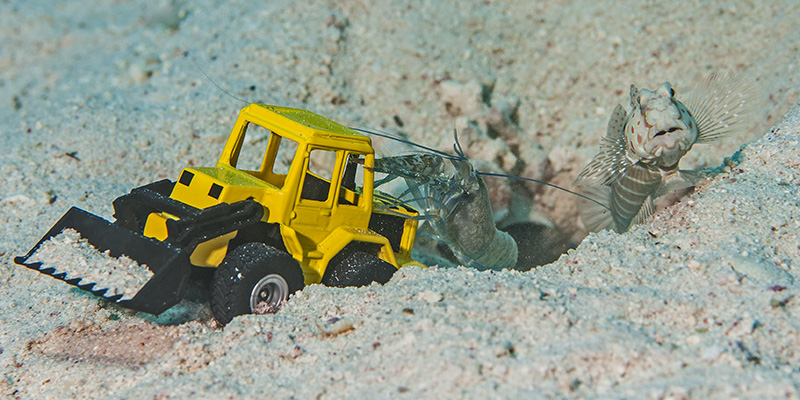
{"x": 408, "y": 142}
{"x": 546, "y": 184}
{"x": 196, "y": 64}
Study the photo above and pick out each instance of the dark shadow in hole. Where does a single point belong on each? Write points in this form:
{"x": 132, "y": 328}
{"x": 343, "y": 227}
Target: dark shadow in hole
{"x": 537, "y": 244}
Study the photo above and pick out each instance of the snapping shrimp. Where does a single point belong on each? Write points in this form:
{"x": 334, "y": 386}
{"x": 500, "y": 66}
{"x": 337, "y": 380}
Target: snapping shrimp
{"x": 455, "y": 202}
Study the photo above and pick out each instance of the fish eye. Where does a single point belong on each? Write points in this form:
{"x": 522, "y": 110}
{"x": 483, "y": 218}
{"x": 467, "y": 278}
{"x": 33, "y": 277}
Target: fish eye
{"x": 672, "y": 92}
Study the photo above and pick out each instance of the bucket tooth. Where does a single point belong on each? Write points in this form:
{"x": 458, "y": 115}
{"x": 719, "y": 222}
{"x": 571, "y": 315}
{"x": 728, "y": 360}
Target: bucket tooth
{"x": 73, "y": 281}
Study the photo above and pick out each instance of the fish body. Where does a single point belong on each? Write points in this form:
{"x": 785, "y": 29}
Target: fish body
{"x": 639, "y": 156}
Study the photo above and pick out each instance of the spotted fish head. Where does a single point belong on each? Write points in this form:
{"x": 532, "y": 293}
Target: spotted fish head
{"x": 659, "y": 129}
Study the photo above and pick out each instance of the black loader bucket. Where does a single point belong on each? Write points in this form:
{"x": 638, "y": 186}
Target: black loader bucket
{"x": 169, "y": 264}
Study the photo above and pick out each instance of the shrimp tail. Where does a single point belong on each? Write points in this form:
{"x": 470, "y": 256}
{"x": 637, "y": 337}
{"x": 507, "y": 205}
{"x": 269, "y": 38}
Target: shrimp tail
{"x": 472, "y": 234}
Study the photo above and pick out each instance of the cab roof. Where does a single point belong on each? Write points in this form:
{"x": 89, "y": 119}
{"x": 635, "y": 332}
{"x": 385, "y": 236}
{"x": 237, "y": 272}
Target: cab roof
{"x": 301, "y": 125}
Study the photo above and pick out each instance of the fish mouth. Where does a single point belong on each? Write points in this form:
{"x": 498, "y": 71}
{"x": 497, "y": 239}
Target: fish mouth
{"x": 666, "y": 131}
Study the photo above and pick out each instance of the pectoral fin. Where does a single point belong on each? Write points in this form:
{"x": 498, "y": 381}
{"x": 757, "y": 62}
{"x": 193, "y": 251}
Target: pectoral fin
{"x": 682, "y": 179}
{"x": 721, "y": 104}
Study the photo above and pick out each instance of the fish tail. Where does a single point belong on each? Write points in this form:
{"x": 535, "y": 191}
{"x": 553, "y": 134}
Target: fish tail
{"x": 596, "y": 215}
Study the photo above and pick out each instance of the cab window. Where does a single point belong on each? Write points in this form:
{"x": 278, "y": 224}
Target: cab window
{"x": 317, "y": 182}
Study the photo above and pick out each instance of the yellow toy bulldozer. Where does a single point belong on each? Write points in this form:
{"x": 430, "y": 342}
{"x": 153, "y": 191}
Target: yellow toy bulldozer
{"x": 290, "y": 202}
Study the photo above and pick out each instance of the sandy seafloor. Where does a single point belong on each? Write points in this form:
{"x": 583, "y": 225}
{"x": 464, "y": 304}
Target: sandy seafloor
{"x": 701, "y": 302}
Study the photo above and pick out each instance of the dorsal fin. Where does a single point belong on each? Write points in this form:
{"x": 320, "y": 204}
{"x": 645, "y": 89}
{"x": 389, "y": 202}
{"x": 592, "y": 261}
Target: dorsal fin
{"x": 610, "y": 163}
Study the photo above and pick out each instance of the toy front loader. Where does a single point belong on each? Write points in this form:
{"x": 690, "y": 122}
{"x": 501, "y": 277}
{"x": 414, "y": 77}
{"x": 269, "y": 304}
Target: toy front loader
{"x": 302, "y": 211}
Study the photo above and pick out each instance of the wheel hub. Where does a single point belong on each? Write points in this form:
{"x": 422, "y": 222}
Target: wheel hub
{"x": 268, "y": 294}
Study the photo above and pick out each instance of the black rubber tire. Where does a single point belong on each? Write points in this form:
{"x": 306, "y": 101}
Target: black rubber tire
{"x": 357, "y": 268}
{"x": 233, "y": 288}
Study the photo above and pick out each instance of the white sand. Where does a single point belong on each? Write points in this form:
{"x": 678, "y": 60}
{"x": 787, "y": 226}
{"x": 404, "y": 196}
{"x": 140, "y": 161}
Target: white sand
{"x": 701, "y": 302}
